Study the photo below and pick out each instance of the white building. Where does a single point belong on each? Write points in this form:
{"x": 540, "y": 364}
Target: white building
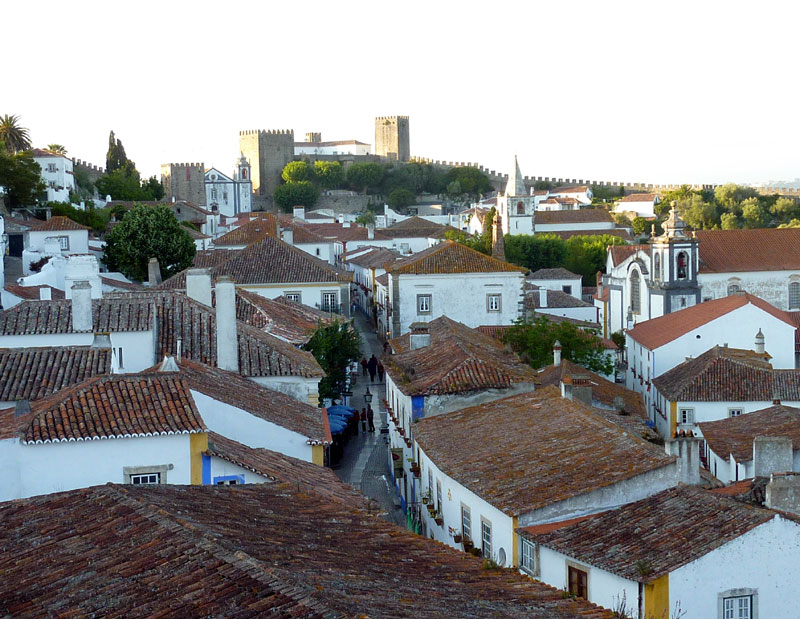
{"x": 367, "y": 264}
{"x": 581, "y": 193}
{"x": 56, "y": 173}
{"x": 452, "y": 280}
{"x": 336, "y": 147}
{"x": 684, "y": 550}
{"x": 3, "y": 250}
{"x": 542, "y": 300}
{"x": 638, "y": 205}
{"x": 230, "y": 196}
{"x": 61, "y": 272}
{"x": 58, "y": 236}
{"x": 558, "y": 279}
{"x": 516, "y": 207}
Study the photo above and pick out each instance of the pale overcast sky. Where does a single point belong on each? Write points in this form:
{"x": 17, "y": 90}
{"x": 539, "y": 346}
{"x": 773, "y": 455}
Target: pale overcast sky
{"x": 663, "y": 92}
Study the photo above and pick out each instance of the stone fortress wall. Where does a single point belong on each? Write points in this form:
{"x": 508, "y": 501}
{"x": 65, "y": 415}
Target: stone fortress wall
{"x": 184, "y": 181}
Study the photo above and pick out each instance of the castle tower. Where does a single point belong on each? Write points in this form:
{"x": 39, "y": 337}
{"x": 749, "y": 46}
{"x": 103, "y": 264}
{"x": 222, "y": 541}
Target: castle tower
{"x": 392, "y": 137}
{"x": 184, "y": 181}
{"x": 268, "y": 153}
{"x": 516, "y": 206}
{"x": 674, "y": 261}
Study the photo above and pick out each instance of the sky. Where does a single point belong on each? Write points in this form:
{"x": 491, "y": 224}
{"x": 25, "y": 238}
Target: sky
{"x": 668, "y": 92}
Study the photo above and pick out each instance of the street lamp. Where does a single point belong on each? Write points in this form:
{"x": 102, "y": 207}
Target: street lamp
{"x": 367, "y": 396}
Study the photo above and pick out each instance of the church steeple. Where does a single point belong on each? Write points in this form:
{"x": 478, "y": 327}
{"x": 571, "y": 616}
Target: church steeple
{"x": 515, "y": 185}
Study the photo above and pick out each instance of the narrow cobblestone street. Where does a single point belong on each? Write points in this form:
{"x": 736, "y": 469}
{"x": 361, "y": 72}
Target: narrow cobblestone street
{"x": 364, "y": 463}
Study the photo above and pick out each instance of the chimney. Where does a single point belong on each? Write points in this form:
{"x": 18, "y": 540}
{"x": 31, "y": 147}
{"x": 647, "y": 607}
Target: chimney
{"x": 760, "y": 342}
{"x": 101, "y": 340}
{"x": 345, "y": 224}
{"x": 783, "y": 492}
{"x": 771, "y": 454}
{"x": 81, "y": 306}
{"x": 370, "y": 232}
{"x": 168, "y": 364}
{"x": 556, "y": 353}
{"x": 153, "y": 272}
{"x": 198, "y": 285}
{"x": 299, "y": 212}
{"x": 578, "y": 388}
{"x": 687, "y": 448}
{"x": 420, "y": 335}
{"x": 542, "y": 296}
{"x": 45, "y": 293}
{"x": 22, "y": 407}
{"x": 227, "y": 337}
{"x": 287, "y": 236}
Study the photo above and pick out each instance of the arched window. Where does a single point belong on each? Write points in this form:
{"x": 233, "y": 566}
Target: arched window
{"x": 520, "y": 208}
{"x": 657, "y": 266}
{"x": 636, "y": 300}
{"x": 794, "y": 295}
{"x": 683, "y": 265}
{"x": 244, "y": 174}
{"x": 733, "y": 289}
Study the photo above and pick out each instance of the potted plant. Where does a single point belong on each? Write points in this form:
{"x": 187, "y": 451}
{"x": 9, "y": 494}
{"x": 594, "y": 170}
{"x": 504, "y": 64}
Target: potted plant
{"x": 438, "y": 519}
{"x": 457, "y": 537}
{"x": 426, "y": 497}
{"x": 467, "y": 543}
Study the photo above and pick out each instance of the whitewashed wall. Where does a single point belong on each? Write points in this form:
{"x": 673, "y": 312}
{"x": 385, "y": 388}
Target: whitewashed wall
{"x": 223, "y": 468}
{"x": 772, "y": 286}
{"x": 298, "y": 387}
{"x": 558, "y": 284}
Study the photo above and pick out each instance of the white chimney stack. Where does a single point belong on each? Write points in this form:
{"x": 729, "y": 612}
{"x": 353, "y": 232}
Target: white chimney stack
{"x": 45, "y": 293}
{"x": 542, "y": 297}
{"x": 287, "y": 236}
{"x": 556, "y": 353}
{"x": 420, "y": 335}
{"x": 370, "y": 231}
{"x": 760, "y": 342}
{"x": 227, "y": 339}
{"x": 198, "y": 285}
{"x": 299, "y": 212}
{"x": 81, "y": 306}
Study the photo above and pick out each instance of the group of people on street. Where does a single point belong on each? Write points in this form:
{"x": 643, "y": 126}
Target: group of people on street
{"x": 372, "y": 367}
{"x": 367, "y": 417}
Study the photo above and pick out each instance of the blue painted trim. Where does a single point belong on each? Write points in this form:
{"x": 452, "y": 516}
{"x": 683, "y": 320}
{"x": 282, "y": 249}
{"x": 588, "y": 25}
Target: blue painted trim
{"x": 417, "y": 406}
{"x": 206, "y": 469}
{"x": 219, "y": 478}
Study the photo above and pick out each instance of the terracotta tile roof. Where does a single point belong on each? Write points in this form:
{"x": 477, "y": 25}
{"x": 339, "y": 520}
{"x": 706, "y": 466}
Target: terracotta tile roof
{"x": 205, "y": 259}
{"x": 762, "y": 249}
{"x": 125, "y": 551}
{"x": 241, "y": 392}
{"x": 639, "y": 197}
{"x": 383, "y": 280}
{"x": 280, "y": 317}
{"x": 32, "y": 293}
{"x": 35, "y": 373}
{"x": 340, "y": 232}
{"x": 556, "y": 273}
{"x": 621, "y": 233}
{"x": 49, "y": 317}
{"x": 121, "y": 285}
{"x": 720, "y": 375}
{"x": 603, "y": 390}
{"x": 555, "y": 299}
{"x": 269, "y": 261}
{"x": 450, "y": 257}
{"x": 57, "y": 222}
{"x": 495, "y": 331}
{"x": 194, "y": 234}
{"x": 458, "y": 360}
{"x": 277, "y": 467}
{"x": 663, "y": 532}
{"x": 620, "y": 253}
{"x": 251, "y": 232}
{"x": 374, "y": 259}
{"x": 180, "y": 203}
{"x": 103, "y": 407}
{"x": 303, "y": 234}
{"x": 735, "y": 435}
{"x": 568, "y": 201}
{"x": 659, "y": 331}
{"x": 571, "y": 189}
{"x": 416, "y": 227}
{"x": 519, "y": 447}
{"x": 581, "y": 216}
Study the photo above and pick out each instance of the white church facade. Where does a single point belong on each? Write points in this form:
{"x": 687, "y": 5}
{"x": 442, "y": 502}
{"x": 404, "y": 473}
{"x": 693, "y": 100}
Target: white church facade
{"x": 230, "y": 196}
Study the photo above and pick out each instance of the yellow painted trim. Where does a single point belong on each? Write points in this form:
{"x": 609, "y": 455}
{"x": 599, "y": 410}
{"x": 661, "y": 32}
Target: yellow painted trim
{"x": 656, "y": 598}
{"x": 318, "y": 454}
{"x": 198, "y": 443}
{"x": 673, "y": 418}
{"x": 313, "y": 398}
{"x": 515, "y": 542}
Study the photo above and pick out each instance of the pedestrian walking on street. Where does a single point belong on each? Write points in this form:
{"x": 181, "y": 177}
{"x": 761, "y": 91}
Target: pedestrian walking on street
{"x": 363, "y": 419}
{"x": 371, "y": 418}
{"x": 372, "y": 366}
{"x": 380, "y": 372}
{"x": 364, "y": 365}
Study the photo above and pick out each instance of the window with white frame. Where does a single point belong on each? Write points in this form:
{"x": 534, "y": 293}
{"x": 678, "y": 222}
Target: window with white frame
{"x": 141, "y": 479}
{"x": 686, "y": 416}
{"x": 466, "y": 522}
{"x": 439, "y": 496}
{"x": 145, "y": 475}
{"x": 794, "y": 295}
{"x": 735, "y": 412}
{"x": 738, "y": 604}
{"x": 292, "y": 296}
{"x": 493, "y": 302}
{"x": 423, "y": 304}
{"x": 486, "y": 538}
{"x": 229, "y": 480}
{"x": 330, "y": 300}
{"x": 529, "y": 557}
{"x": 51, "y": 167}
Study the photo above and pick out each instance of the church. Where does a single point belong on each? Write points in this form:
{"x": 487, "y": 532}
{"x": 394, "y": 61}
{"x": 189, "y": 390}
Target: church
{"x": 516, "y": 206}
{"x": 679, "y": 269}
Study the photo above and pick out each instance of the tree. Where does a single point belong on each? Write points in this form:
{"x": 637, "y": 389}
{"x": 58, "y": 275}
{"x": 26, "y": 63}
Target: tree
{"x": 16, "y": 138}
{"x": 116, "y": 157}
{"x": 534, "y": 340}
{"x": 300, "y": 193}
{"x": 21, "y": 177}
{"x": 534, "y": 252}
{"x": 586, "y": 255}
{"x": 334, "y": 346}
{"x": 296, "y": 171}
{"x": 57, "y": 149}
{"x": 753, "y": 214}
{"x": 96, "y": 219}
{"x": 466, "y": 184}
{"x": 365, "y": 218}
{"x": 640, "y": 225}
{"x": 697, "y": 213}
{"x": 401, "y": 198}
{"x": 621, "y": 219}
{"x": 731, "y": 195}
{"x": 329, "y": 174}
{"x": 363, "y": 176}
{"x": 148, "y": 232}
{"x": 784, "y": 209}
{"x": 729, "y": 221}
{"x": 153, "y": 188}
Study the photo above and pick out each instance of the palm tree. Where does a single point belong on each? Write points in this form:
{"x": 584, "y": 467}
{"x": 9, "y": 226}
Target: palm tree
{"x": 57, "y": 149}
{"x": 15, "y": 137}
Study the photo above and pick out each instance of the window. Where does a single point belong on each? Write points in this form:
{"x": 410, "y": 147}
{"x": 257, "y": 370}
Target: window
{"x": 439, "y": 496}
{"x": 738, "y": 608}
{"x": 486, "y": 538}
{"x": 244, "y": 174}
{"x": 423, "y": 304}
{"x": 636, "y": 301}
{"x": 229, "y": 480}
{"x": 683, "y": 265}
{"x": 520, "y": 208}
{"x": 51, "y": 167}
{"x": 492, "y": 302}
{"x": 144, "y": 475}
{"x": 330, "y": 301}
{"x": 567, "y": 289}
{"x": 119, "y": 357}
{"x": 794, "y": 295}
{"x": 657, "y": 266}
{"x": 292, "y": 296}
{"x": 466, "y": 522}
{"x": 686, "y": 416}
{"x": 318, "y": 251}
{"x": 63, "y": 241}
{"x": 146, "y": 478}
{"x": 529, "y": 557}
{"x": 578, "y": 582}
{"x": 733, "y": 289}
{"x": 735, "y": 412}
{"x": 213, "y": 194}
